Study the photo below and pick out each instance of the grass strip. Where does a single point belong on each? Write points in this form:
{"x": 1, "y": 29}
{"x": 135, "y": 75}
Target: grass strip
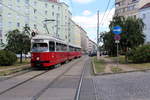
{"x": 99, "y": 65}
{"x": 116, "y": 70}
{"x": 12, "y": 71}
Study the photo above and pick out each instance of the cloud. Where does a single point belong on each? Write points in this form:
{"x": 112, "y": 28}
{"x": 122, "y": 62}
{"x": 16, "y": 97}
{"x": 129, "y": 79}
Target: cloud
{"x": 83, "y": 1}
{"x": 86, "y": 12}
{"x": 91, "y": 21}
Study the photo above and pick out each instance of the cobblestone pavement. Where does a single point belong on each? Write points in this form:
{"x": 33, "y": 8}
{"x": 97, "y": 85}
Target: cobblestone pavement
{"x": 129, "y": 86}
{"x": 87, "y": 90}
{"x": 65, "y": 87}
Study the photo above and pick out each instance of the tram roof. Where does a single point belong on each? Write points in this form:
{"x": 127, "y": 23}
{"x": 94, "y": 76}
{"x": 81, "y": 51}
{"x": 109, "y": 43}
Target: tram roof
{"x": 47, "y": 37}
{"x": 74, "y": 45}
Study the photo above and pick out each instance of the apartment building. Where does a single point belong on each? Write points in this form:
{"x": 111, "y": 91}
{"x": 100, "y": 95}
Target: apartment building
{"x": 74, "y": 34}
{"x": 129, "y": 7}
{"x": 144, "y": 14}
{"x": 92, "y": 46}
{"x": 15, "y": 14}
{"x": 84, "y": 41}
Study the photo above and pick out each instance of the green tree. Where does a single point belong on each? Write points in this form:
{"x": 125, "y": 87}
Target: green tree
{"x": 131, "y": 36}
{"x": 18, "y": 42}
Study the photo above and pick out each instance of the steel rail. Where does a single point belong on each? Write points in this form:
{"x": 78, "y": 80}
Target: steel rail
{"x": 17, "y": 74}
{"x": 80, "y": 84}
{"x": 55, "y": 80}
{"x": 23, "y": 82}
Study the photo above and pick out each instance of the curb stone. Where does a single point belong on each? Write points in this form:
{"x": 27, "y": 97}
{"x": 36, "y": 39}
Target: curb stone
{"x": 103, "y": 73}
{"x": 14, "y": 70}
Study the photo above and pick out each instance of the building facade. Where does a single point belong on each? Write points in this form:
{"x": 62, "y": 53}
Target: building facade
{"x": 74, "y": 33}
{"x": 144, "y": 14}
{"x": 84, "y": 41}
{"x": 92, "y": 46}
{"x": 129, "y": 7}
{"x": 15, "y": 14}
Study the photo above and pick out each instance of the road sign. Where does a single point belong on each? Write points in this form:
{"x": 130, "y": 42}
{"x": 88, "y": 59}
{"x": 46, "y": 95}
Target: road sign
{"x": 117, "y": 30}
{"x": 117, "y": 37}
{"x": 117, "y": 41}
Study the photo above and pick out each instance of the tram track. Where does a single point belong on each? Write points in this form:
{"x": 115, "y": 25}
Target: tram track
{"x": 51, "y": 83}
{"x": 23, "y": 82}
{"x": 16, "y": 74}
{"x": 38, "y": 94}
{"x": 77, "y": 95}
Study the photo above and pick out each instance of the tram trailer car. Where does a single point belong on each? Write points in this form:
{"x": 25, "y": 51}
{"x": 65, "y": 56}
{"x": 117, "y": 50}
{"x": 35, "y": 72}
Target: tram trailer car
{"x": 48, "y": 51}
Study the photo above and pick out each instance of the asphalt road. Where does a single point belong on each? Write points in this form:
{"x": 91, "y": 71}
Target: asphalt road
{"x": 128, "y": 86}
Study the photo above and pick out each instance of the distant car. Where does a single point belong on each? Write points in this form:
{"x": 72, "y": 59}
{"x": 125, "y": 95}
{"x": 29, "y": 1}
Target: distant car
{"x": 92, "y": 54}
{"x": 24, "y": 55}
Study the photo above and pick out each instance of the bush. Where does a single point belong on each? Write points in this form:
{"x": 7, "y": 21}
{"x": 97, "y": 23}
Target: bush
{"x": 140, "y": 54}
{"x": 7, "y": 58}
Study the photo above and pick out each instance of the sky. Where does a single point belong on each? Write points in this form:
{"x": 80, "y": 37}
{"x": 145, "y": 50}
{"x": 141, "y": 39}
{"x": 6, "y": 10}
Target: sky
{"x": 84, "y": 13}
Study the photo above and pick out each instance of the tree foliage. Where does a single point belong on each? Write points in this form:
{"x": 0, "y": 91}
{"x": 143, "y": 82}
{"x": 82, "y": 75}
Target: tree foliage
{"x": 18, "y": 42}
{"x": 7, "y": 58}
{"x": 131, "y": 36}
{"x": 140, "y": 54}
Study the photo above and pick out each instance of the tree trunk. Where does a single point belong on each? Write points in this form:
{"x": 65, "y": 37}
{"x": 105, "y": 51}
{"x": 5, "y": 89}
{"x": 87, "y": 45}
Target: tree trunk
{"x": 126, "y": 57}
{"x": 21, "y": 57}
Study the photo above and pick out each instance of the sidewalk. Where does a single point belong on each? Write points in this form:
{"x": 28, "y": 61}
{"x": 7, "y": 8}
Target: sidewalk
{"x": 110, "y": 64}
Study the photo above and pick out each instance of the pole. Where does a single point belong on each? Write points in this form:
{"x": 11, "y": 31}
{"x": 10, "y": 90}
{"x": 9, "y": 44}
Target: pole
{"x": 45, "y": 25}
{"x": 117, "y": 56}
{"x": 98, "y": 34}
{"x": 57, "y": 35}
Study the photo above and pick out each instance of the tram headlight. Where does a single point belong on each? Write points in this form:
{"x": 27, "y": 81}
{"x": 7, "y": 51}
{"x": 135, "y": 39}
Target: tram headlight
{"x": 37, "y": 58}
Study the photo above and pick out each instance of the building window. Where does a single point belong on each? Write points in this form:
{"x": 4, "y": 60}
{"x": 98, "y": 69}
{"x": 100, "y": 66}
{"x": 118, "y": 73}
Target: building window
{"x": 35, "y": 11}
{"x": 46, "y": 12}
{"x": 9, "y": 14}
{"x": 18, "y": 24}
{"x": 53, "y": 14}
{"x": 117, "y": 4}
{"x": 9, "y": 24}
{"x": 144, "y": 16}
{"x": 18, "y": 1}
{"x": 52, "y": 6}
{"x": 145, "y": 27}
{"x": 1, "y": 34}
{"x": 45, "y": 5}
{"x": 35, "y": 26}
{"x": 135, "y": 16}
{"x": 0, "y": 25}
{"x": 26, "y": 1}
{"x": 35, "y": 3}
{"x": 134, "y": 0}
{"x": 10, "y": 5}
{"x": 1, "y": 41}
{"x": 18, "y": 17}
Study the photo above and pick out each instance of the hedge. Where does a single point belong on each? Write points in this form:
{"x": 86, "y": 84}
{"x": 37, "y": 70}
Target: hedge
{"x": 140, "y": 54}
{"x": 7, "y": 58}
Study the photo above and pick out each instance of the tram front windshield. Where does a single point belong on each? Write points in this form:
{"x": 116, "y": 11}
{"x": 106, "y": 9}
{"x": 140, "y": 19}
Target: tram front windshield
{"x": 39, "y": 47}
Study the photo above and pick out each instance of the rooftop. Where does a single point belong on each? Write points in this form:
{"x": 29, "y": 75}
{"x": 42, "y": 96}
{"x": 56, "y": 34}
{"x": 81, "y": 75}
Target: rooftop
{"x": 146, "y": 6}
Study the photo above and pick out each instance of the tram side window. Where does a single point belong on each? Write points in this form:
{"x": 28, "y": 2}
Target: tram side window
{"x": 51, "y": 46}
{"x": 70, "y": 48}
{"x": 58, "y": 47}
{"x": 64, "y": 47}
{"x": 61, "y": 47}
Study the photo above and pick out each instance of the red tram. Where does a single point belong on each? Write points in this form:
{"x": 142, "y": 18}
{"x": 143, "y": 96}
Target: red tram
{"x": 49, "y": 51}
